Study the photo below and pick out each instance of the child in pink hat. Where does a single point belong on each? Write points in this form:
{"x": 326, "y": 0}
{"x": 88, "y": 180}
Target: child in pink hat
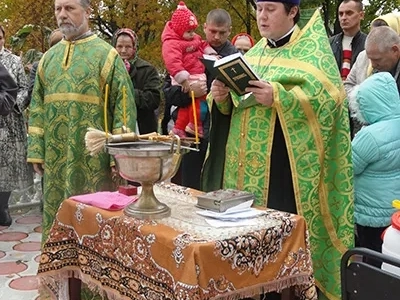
{"x": 181, "y": 50}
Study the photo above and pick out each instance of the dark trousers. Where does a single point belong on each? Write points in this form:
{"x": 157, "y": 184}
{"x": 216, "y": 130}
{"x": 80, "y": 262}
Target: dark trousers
{"x": 191, "y": 166}
{"x": 5, "y": 218}
{"x": 281, "y": 193}
{"x": 371, "y": 238}
{"x": 4, "y": 196}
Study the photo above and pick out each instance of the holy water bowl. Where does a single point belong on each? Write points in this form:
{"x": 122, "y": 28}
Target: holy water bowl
{"x": 147, "y": 163}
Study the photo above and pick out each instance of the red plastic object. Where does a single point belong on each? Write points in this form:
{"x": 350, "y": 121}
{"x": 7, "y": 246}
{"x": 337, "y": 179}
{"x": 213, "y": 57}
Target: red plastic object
{"x": 396, "y": 220}
{"x": 383, "y": 233}
{"x": 128, "y": 190}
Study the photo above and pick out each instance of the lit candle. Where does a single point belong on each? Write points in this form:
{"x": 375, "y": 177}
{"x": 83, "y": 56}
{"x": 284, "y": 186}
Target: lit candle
{"x": 196, "y": 130}
{"x": 105, "y": 110}
{"x": 124, "y": 104}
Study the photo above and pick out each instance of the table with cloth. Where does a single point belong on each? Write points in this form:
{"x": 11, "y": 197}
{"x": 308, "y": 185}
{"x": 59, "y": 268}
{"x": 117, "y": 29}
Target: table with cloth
{"x": 179, "y": 257}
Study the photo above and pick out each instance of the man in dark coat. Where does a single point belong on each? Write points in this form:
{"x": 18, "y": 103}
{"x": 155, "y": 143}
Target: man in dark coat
{"x": 348, "y": 44}
{"x": 217, "y": 30}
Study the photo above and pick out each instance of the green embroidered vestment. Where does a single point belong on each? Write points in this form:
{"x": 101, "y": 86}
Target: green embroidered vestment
{"x": 69, "y": 97}
{"x": 309, "y": 101}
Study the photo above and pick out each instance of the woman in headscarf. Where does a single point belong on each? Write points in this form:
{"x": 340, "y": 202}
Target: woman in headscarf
{"x": 144, "y": 76}
{"x": 243, "y": 42}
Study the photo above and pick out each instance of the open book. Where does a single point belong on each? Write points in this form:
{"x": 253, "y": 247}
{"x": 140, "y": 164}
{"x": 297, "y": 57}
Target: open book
{"x": 233, "y": 70}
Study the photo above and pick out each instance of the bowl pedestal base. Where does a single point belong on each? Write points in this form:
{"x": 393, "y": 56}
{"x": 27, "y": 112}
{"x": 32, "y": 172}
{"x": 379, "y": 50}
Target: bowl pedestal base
{"x": 147, "y": 206}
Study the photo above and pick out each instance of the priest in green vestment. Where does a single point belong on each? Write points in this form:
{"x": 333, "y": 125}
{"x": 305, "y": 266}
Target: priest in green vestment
{"x": 68, "y": 98}
{"x": 289, "y": 142}
{"x": 79, "y": 84}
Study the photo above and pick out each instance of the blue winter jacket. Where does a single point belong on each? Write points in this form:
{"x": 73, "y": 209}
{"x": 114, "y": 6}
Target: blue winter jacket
{"x": 376, "y": 151}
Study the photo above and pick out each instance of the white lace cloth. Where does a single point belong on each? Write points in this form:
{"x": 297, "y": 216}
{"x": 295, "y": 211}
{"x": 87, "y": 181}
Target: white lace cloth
{"x": 184, "y": 218}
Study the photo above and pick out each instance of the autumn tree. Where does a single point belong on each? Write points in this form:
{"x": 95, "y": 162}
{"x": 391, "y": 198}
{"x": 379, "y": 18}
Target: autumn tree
{"x": 37, "y": 14}
{"x": 148, "y": 17}
{"x": 329, "y": 10}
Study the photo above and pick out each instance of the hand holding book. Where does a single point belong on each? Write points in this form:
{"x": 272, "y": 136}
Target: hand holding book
{"x": 262, "y": 91}
{"x": 219, "y": 91}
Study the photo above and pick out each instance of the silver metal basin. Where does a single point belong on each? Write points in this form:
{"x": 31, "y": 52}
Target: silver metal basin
{"x": 147, "y": 163}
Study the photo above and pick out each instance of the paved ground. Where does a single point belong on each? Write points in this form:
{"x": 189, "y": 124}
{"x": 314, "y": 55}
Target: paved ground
{"x": 19, "y": 255}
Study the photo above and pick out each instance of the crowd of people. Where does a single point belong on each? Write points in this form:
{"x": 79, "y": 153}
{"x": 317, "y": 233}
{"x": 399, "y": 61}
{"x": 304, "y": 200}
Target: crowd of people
{"x": 315, "y": 136}
{"x": 366, "y": 55}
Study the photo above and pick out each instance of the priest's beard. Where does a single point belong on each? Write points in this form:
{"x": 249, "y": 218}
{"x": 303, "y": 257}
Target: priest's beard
{"x": 72, "y": 30}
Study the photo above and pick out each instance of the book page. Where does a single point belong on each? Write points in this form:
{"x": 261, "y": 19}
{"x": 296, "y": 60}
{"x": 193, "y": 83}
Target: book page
{"x": 228, "y": 58}
{"x": 210, "y": 57}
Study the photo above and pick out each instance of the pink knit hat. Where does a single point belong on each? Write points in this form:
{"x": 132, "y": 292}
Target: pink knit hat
{"x": 183, "y": 19}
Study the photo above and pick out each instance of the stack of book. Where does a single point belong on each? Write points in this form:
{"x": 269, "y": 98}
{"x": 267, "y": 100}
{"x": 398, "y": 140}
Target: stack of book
{"x": 221, "y": 200}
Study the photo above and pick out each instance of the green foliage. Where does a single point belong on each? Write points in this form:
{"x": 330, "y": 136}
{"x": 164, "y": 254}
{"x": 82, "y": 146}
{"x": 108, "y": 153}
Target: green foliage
{"x": 26, "y": 23}
{"x": 148, "y": 19}
{"x": 18, "y": 40}
{"x": 329, "y": 10}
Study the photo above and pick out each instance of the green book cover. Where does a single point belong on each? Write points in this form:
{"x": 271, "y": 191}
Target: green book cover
{"x": 233, "y": 70}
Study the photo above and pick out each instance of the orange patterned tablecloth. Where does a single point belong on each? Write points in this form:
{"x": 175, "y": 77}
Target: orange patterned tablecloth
{"x": 180, "y": 257}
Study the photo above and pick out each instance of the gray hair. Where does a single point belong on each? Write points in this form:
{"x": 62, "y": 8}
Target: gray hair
{"x": 219, "y": 17}
{"x": 85, "y": 3}
{"x": 383, "y": 37}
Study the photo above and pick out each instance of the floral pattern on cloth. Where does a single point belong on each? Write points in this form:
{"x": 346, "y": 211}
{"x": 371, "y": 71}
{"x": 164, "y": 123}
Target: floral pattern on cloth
{"x": 125, "y": 258}
{"x": 257, "y": 249}
{"x": 180, "y": 243}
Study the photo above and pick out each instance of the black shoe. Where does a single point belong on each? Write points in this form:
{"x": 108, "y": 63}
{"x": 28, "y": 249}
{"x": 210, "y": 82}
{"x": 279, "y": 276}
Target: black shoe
{"x": 5, "y": 218}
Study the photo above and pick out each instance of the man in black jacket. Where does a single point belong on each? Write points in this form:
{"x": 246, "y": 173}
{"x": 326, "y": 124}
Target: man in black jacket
{"x": 217, "y": 30}
{"x": 348, "y": 44}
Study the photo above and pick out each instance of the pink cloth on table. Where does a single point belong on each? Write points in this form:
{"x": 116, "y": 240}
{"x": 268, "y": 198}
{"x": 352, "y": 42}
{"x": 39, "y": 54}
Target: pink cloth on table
{"x": 105, "y": 200}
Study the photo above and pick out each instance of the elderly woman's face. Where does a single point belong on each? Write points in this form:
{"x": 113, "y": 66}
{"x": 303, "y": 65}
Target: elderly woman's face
{"x": 124, "y": 47}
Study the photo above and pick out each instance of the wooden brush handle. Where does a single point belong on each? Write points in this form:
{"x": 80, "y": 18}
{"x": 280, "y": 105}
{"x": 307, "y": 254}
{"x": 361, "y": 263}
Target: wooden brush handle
{"x": 130, "y": 137}
{"x": 148, "y": 135}
{"x": 123, "y": 137}
{"x": 161, "y": 138}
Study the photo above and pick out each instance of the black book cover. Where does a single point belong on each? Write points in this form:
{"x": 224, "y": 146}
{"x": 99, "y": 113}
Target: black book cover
{"x": 233, "y": 70}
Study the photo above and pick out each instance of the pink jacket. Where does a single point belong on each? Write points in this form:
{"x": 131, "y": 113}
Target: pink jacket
{"x": 181, "y": 57}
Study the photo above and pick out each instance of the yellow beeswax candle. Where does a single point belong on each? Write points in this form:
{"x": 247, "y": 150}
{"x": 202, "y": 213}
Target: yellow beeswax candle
{"x": 124, "y": 105}
{"x": 196, "y": 130}
{"x": 105, "y": 110}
